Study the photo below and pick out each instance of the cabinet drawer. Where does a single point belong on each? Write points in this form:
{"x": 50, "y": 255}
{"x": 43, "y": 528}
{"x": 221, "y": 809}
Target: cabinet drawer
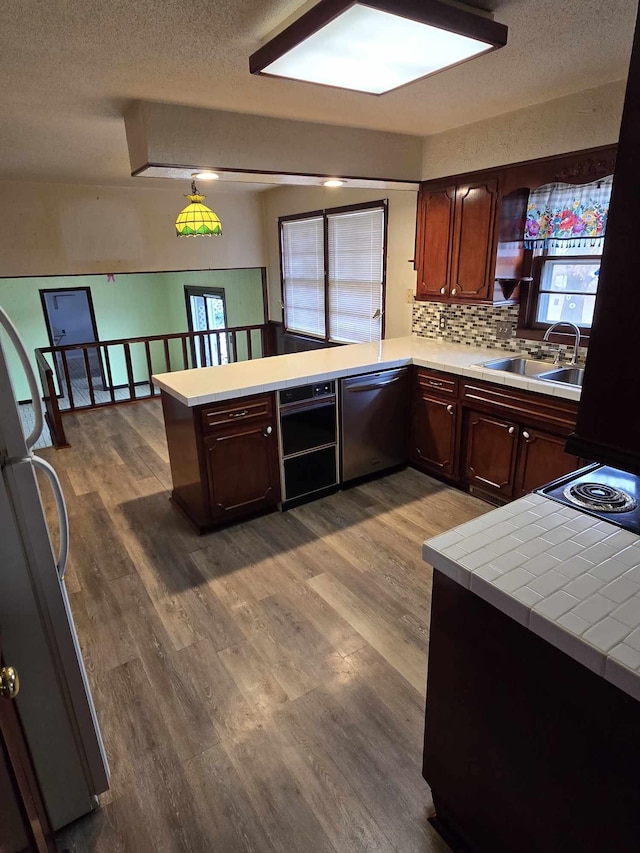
{"x": 437, "y": 382}
{"x": 237, "y": 412}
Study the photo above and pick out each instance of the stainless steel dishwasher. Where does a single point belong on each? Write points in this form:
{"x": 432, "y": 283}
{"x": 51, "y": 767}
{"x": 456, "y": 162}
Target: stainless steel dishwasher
{"x": 374, "y": 418}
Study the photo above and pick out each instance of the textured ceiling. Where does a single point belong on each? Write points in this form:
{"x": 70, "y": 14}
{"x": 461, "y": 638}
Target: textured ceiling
{"x": 68, "y": 68}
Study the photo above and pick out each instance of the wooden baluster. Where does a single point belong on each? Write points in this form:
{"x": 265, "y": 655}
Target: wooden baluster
{"x": 167, "y": 356}
{"x": 248, "y": 333}
{"x": 185, "y": 357}
{"x": 233, "y": 352}
{"x": 107, "y": 361}
{"x": 127, "y": 359}
{"x": 203, "y": 355}
{"x": 147, "y": 352}
{"x": 87, "y": 370}
{"x": 67, "y": 379}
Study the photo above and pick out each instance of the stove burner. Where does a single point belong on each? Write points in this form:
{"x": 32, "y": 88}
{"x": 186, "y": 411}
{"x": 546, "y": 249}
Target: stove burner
{"x": 598, "y": 496}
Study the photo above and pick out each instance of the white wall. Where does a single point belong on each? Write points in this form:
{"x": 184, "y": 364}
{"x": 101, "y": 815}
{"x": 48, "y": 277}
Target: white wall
{"x": 400, "y": 245}
{"x": 64, "y": 229}
{"x": 584, "y": 120}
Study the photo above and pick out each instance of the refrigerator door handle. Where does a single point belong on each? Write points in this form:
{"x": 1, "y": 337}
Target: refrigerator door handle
{"x": 61, "y": 506}
{"x": 16, "y": 340}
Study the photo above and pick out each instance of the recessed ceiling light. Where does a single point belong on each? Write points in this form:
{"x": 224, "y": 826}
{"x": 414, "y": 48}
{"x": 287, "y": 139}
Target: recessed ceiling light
{"x": 376, "y": 45}
{"x": 333, "y": 182}
{"x": 205, "y": 176}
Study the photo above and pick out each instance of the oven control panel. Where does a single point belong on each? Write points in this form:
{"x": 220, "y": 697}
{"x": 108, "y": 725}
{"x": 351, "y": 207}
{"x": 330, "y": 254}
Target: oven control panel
{"x": 307, "y": 392}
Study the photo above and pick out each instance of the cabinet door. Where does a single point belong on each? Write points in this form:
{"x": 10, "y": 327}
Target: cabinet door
{"x": 490, "y": 459}
{"x": 473, "y": 243}
{"x": 434, "y": 255}
{"x": 433, "y": 434}
{"x": 243, "y": 471}
{"x": 541, "y": 458}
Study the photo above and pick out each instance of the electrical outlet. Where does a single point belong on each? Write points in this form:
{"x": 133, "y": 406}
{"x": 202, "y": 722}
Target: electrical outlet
{"x": 504, "y": 330}
{"x": 442, "y": 322}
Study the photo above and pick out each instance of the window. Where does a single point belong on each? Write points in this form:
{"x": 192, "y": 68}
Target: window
{"x": 565, "y": 228}
{"x": 333, "y": 272}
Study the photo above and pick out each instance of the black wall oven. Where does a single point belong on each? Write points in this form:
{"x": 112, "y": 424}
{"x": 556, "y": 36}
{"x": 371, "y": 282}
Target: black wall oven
{"x": 309, "y": 441}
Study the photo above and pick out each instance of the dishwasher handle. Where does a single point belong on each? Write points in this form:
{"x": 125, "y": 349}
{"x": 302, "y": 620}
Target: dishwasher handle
{"x": 372, "y": 386}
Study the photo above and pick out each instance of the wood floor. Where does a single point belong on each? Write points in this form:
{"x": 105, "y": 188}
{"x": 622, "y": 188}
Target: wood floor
{"x": 260, "y": 688}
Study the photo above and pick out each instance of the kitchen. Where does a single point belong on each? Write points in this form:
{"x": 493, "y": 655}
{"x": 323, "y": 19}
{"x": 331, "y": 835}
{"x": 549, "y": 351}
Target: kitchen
{"x": 145, "y": 509}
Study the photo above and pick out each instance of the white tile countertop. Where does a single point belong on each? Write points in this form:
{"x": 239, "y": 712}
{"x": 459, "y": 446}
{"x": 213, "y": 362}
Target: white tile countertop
{"x": 568, "y": 577}
{"x": 203, "y": 385}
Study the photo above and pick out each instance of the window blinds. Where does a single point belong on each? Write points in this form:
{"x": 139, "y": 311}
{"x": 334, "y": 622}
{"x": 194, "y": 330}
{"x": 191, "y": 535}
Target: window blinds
{"x": 303, "y": 275}
{"x": 356, "y": 245}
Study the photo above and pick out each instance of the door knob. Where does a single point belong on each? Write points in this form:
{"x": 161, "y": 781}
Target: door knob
{"x": 512, "y": 430}
{"x": 450, "y": 409}
{"x": 268, "y": 430}
{"x": 9, "y": 682}
{"x": 526, "y": 435}
{"x": 443, "y": 290}
{"x": 454, "y": 291}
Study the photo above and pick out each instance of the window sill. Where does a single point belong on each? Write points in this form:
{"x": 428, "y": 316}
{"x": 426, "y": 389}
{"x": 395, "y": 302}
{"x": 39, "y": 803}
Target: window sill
{"x": 555, "y": 337}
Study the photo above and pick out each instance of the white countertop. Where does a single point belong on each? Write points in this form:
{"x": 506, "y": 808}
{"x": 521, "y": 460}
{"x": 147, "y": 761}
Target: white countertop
{"x": 203, "y": 385}
{"x": 568, "y": 577}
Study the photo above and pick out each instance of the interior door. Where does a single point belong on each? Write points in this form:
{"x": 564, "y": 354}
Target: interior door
{"x": 70, "y": 320}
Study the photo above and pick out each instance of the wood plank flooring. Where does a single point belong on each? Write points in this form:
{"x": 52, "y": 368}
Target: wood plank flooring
{"x": 260, "y": 688}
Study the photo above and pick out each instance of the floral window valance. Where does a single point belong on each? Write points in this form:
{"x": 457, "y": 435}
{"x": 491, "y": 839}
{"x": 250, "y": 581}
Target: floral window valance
{"x": 566, "y": 214}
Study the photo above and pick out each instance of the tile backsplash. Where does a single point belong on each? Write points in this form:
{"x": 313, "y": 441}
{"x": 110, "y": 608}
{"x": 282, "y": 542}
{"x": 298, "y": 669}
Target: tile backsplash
{"x": 477, "y": 326}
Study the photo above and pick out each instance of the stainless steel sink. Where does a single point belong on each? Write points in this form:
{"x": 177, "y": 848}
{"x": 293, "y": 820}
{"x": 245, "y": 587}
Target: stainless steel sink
{"x": 519, "y": 364}
{"x": 535, "y": 369}
{"x": 568, "y": 375}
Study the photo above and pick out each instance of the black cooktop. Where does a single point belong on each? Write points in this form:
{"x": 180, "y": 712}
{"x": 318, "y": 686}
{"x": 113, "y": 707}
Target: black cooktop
{"x": 606, "y": 493}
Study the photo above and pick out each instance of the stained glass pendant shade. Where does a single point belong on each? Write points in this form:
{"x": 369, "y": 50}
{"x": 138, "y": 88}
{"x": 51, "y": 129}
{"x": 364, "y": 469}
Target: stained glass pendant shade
{"x": 197, "y": 220}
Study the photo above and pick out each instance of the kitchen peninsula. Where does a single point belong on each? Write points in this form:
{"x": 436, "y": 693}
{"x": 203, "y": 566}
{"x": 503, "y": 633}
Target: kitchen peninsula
{"x": 496, "y": 433}
{"x": 533, "y": 686}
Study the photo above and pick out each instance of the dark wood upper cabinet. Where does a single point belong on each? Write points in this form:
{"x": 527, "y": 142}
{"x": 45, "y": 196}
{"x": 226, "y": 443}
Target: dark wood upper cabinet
{"x": 436, "y": 241}
{"x": 459, "y": 238}
{"x": 474, "y": 236}
{"x": 608, "y": 426}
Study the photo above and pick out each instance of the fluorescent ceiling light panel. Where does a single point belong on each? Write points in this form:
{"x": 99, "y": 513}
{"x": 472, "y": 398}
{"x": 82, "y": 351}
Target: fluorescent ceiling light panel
{"x": 378, "y": 46}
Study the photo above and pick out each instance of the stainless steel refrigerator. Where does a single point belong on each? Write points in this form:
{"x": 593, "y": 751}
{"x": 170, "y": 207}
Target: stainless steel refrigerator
{"x": 38, "y": 634}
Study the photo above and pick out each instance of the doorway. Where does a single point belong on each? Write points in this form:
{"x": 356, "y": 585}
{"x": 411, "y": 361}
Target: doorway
{"x": 206, "y": 310}
{"x": 70, "y": 319}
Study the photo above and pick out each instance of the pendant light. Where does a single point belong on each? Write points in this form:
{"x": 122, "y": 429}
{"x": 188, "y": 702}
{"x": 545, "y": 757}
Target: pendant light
{"x": 197, "y": 219}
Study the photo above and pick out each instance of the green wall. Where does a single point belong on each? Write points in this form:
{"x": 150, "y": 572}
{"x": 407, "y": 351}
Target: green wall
{"x": 134, "y": 305}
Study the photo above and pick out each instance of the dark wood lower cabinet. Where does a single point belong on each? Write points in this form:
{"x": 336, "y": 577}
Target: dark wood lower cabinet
{"x": 434, "y": 430}
{"x": 541, "y": 458}
{"x": 243, "y": 471}
{"x": 224, "y": 458}
{"x": 525, "y": 749}
{"x": 491, "y": 445}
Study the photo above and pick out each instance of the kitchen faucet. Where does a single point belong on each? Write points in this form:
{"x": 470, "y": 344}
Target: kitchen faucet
{"x": 576, "y": 346}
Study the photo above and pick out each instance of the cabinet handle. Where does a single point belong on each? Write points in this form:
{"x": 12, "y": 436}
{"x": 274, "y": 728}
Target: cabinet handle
{"x": 454, "y": 291}
{"x": 443, "y": 290}
{"x": 450, "y": 409}
{"x": 512, "y": 430}
{"x": 241, "y": 414}
{"x": 526, "y": 435}
{"x": 435, "y": 382}
{"x": 268, "y": 430}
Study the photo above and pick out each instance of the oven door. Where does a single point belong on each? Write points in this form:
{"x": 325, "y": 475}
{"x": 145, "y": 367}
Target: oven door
{"x": 308, "y": 425}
